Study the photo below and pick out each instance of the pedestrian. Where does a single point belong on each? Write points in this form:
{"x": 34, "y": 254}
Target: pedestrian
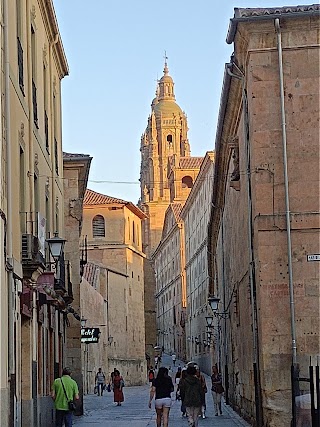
{"x": 204, "y": 391}
{"x": 64, "y": 392}
{"x": 111, "y": 377}
{"x": 100, "y": 381}
{"x": 118, "y": 385}
{"x": 151, "y": 375}
{"x": 178, "y": 395}
{"x": 178, "y": 375}
{"x": 216, "y": 389}
{"x": 156, "y": 361}
{"x": 191, "y": 395}
{"x": 161, "y": 389}
{"x": 174, "y": 357}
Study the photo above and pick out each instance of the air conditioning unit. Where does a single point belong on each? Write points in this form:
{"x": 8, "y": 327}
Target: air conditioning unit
{"x": 29, "y": 247}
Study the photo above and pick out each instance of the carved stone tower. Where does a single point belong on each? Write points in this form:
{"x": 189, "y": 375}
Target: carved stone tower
{"x": 163, "y": 143}
{"x": 165, "y": 137}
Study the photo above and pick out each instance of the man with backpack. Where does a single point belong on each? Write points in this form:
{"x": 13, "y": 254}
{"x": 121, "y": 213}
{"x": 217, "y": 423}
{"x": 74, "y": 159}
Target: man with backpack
{"x": 100, "y": 381}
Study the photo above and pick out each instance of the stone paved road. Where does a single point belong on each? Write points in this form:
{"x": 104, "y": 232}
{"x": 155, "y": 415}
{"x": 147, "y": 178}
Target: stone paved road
{"x": 134, "y": 412}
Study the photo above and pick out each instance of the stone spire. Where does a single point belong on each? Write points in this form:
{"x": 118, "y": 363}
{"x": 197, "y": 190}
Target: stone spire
{"x": 166, "y": 85}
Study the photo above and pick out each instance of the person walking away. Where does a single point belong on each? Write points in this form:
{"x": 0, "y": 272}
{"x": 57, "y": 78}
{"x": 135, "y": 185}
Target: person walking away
{"x": 204, "y": 391}
{"x": 178, "y": 375}
{"x": 191, "y": 395}
{"x": 178, "y": 395}
{"x": 100, "y": 381}
{"x": 151, "y": 375}
{"x": 216, "y": 389}
{"x": 64, "y": 390}
{"x": 161, "y": 389}
{"x": 174, "y": 357}
{"x": 118, "y": 385}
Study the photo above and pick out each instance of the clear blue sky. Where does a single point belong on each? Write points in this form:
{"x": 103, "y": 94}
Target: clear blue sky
{"x": 115, "y": 50}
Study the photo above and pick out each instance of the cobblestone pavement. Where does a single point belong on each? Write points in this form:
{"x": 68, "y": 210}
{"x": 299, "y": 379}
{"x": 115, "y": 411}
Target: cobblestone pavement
{"x": 134, "y": 412}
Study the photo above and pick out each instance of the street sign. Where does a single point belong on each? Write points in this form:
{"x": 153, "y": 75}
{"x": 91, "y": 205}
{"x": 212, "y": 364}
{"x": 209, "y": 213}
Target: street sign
{"x": 90, "y": 335}
{"x": 313, "y": 257}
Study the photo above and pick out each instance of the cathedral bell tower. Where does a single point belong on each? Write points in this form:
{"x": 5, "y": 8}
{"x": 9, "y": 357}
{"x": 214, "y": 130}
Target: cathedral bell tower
{"x": 165, "y": 137}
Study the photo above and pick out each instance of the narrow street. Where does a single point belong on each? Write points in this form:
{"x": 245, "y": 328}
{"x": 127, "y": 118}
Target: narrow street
{"x": 134, "y": 412}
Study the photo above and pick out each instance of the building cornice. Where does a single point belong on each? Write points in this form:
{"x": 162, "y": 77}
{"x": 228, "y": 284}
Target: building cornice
{"x": 258, "y": 14}
{"x": 52, "y": 28}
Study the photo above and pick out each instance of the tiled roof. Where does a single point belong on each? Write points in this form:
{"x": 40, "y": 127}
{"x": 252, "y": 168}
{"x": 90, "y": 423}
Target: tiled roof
{"x": 252, "y": 14}
{"x": 285, "y": 10}
{"x": 93, "y": 198}
{"x": 71, "y": 155}
{"x": 176, "y": 209}
{"x": 190, "y": 162}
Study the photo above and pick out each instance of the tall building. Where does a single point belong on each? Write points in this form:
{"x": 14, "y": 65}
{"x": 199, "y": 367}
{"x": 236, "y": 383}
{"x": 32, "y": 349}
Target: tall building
{"x": 164, "y": 148}
{"x": 35, "y": 289}
{"x": 113, "y": 297}
{"x": 264, "y": 227}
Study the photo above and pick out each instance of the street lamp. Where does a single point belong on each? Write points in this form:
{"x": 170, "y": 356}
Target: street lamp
{"x": 56, "y": 245}
{"x": 214, "y": 303}
{"x": 209, "y": 320}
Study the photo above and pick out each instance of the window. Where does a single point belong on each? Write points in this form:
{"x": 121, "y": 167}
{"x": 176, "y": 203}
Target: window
{"x": 98, "y": 226}
{"x": 187, "y": 182}
{"x": 133, "y": 232}
{"x": 169, "y": 138}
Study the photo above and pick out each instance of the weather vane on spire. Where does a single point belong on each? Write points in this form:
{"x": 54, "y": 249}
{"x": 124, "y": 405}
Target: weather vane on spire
{"x": 165, "y": 58}
{"x": 165, "y": 63}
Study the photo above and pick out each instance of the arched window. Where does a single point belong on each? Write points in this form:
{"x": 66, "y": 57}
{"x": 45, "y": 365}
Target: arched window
{"x": 133, "y": 232}
{"x": 98, "y": 226}
{"x": 187, "y": 182}
{"x": 169, "y": 138}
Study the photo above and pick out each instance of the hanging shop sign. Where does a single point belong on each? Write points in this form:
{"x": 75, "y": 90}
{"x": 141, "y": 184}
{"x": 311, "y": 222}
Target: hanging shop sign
{"x": 90, "y": 335}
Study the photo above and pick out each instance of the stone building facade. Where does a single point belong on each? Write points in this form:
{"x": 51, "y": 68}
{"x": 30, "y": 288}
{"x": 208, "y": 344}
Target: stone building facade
{"x": 164, "y": 145}
{"x": 180, "y": 263}
{"x": 34, "y": 299}
{"x": 195, "y": 216}
{"x": 265, "y": 209}
{"x": 75, "y": 173}
{"x": 113, "y": 229}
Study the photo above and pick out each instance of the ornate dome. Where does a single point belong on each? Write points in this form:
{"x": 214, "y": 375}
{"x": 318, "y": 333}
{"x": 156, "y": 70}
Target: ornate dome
{"x": 167, "y": 108}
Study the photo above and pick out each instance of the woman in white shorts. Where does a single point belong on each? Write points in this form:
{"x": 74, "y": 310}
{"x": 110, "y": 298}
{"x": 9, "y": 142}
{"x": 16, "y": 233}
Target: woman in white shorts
{"x": 162, "y": 387}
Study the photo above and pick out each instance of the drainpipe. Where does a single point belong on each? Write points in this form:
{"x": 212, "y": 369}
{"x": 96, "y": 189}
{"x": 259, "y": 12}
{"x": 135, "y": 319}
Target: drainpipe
{"x": 11, "y": 288}
{"x": 286, "y": 186}
{"x": 252, "y": 281}
{"x": 294, "y": 366}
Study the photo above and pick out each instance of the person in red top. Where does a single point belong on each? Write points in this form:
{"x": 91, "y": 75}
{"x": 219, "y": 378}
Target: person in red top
{"x": 118, "y": 385}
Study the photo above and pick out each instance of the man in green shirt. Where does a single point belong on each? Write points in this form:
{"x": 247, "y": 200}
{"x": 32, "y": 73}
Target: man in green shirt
{"x": 63, "y": 414}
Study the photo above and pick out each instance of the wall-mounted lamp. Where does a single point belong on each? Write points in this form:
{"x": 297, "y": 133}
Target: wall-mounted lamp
{"x": 56, "y": 245}
{"x": 214, "y": 304}
{"x": 110, "y": 340}
{"x": 189, "y": 339}
{"x": 83, "y": 322}
{"x": 209, "y": 320}
{"x": 197, "y": 340}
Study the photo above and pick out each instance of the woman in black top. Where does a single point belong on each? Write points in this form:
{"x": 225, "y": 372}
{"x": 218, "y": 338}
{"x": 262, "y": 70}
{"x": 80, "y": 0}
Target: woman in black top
{"x": 162, "y": 387}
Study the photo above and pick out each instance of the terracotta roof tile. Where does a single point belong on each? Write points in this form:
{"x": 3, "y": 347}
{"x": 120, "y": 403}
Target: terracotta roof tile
{"x": 93, "y": 198}
{"x": 190, "y": 162}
